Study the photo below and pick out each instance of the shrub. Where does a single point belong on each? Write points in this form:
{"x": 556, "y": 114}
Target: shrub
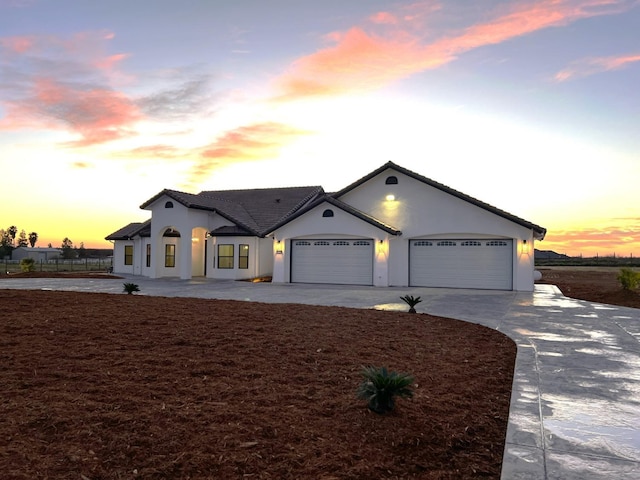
{"x": 27, "y": 264}
{"x": 380, "y": 387}
{"x": 411, "y": 301}
{"x": 629, "y": 279}
{"x": 130, "y": 288}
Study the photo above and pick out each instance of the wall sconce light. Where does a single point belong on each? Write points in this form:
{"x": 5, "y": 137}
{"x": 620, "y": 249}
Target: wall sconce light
{"x": 278, "y": 252}
{"x": 207, "y": 235}
{"x": 381, "y": 241}
{"x": 524, "y": 247}
{"x": 390, "y": 198}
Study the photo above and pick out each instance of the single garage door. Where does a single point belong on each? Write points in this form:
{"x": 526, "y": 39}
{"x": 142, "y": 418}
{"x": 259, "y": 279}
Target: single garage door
{"x": 482, "y": 263}
{"x": 346, "y": 262}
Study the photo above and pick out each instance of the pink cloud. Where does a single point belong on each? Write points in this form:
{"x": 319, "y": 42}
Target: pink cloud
{"x": 18, "y": 44}
{"x": 97, "y": 115}
{"x": 592, "y": 66}
{"x": 362, "y": 58}
{"x": 384, "y": 18}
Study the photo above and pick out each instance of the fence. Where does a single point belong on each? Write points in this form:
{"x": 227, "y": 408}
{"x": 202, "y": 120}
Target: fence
{"x": 61, "y": 265}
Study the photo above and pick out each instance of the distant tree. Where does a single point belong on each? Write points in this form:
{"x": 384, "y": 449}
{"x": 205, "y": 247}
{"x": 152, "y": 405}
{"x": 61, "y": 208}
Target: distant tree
{"x": 67, "y": 248}
{"x": 82, "y": 252}
{"x": 49, "y": 245}
{"x": 33, "y": 238}
{"x": 6, "y": 243}
{"x": 13, "y": 231}
{"x": 22, "y": 239}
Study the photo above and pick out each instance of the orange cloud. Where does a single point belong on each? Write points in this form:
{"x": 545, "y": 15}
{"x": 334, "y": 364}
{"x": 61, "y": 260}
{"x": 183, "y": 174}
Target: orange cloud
{"x": 363, "y": 60}
{"x": 591, "y": 66}
{"x": 251, "y": 142}
{"x": 622, "y": 239}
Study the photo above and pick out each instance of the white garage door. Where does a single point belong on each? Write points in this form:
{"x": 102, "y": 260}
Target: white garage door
{"x": 485, "y": 264}
{"x": 346, "y": 262}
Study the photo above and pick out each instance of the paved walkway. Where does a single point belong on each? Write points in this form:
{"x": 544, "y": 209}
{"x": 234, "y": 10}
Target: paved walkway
{"x": 575, "y": 406}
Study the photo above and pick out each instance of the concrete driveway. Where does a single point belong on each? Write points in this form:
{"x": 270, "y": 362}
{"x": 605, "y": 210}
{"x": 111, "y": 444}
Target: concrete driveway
{"x": 575, "y": 406}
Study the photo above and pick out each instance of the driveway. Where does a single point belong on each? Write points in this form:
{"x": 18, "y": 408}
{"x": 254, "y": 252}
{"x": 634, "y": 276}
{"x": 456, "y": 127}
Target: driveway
{"x": 575, "y": 406}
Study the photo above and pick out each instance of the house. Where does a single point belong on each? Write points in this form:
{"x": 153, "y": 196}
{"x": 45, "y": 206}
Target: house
{"x": 39, "y": 254}
{"x": 392, "y": 227}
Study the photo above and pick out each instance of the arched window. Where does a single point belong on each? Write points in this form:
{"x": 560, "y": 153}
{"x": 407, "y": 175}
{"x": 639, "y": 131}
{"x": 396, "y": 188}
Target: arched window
{"x": 391, "y": 180}
{"x": 327, "y": 213}
{"x": 168, "y": 205}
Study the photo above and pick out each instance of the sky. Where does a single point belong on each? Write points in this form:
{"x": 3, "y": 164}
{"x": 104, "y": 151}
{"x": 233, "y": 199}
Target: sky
{"x": 530, "y": 106}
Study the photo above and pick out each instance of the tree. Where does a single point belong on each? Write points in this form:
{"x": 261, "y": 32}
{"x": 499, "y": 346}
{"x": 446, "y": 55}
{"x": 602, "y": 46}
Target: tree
{"x": 67, "y": 248}
{"x": 13, "y": 231}
{"x": 6, "y": 243}
{"x": 22, "y": 239}
{"x": 82, "y": 252}
{"x": 33, "y": 238}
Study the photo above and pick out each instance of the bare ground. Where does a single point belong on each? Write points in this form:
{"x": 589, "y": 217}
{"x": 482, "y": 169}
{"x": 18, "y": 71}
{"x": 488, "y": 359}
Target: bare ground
{"x": 96, "y": 386}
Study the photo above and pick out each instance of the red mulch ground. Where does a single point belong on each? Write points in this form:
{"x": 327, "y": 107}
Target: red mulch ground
{"x": 96, "y": 386}
{"x": 594, "y": 284}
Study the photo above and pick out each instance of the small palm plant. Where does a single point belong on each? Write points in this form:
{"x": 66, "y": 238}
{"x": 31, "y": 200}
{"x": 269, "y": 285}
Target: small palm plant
{"x": 380, "y": 387}
{"x": 411, "y": 301}
{"x": 130, "y": 288}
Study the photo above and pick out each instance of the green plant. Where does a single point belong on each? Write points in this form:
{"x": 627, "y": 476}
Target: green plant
{"x": 629, "y": 279}
{"x": 130, "y": 288}
{"x": 411, "y": 301}
{"x": 27, "y": 264}
{"x": 380, "y": 387}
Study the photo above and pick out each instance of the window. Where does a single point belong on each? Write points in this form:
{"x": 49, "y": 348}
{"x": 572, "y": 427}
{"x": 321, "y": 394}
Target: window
{"x": 327, "y": 213}
{"x": 170, "y": 255}
{"x": 243, "y": 256}
{"x": 225, "y": 256}
{"x": 423, "y": 243}
{"x": 148, "y": 254}
{"x": 497, "y": 243}
{"x": 341, "y": 243}
{"x": 303, "y": 243}
{"x": 168, "y": 205}
{"x": 323, "y": 243}
{"x": 362, "y": 243}
{"x": 128, "y": 255}
{"x": 391, "y": 180}
{"x": 446, "y": 243}
{"x": 471, "y": 243}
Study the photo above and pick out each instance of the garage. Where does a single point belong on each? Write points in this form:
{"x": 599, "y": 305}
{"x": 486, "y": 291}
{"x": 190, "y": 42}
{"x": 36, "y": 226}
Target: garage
{"x": 337, "y": 261}
{"x": 462, "y": 263}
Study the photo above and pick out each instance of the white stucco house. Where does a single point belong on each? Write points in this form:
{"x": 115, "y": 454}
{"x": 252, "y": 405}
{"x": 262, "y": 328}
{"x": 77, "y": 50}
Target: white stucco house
{"x": 392, "y": 227}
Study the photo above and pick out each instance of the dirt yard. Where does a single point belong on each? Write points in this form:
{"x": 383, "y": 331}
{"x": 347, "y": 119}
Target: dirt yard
{"x": 595, "y": 284}
{"x": 96, "y": 386}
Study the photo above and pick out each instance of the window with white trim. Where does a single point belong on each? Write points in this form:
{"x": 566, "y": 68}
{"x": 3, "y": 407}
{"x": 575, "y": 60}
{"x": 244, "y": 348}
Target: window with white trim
{"x": 497, "y": 243}
{"x": 471, "y": 243}
{"x": 446, "y": 243}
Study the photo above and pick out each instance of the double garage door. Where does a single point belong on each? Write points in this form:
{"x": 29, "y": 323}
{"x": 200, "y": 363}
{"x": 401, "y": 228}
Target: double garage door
{"x": 482, "y": 263}
{"x": 346, "y": 262}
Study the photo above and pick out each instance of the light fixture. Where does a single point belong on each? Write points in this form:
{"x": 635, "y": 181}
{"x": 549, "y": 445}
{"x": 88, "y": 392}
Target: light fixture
{"x": 390, "y": 198}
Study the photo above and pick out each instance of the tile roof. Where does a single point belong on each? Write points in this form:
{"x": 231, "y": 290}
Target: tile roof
{"x": 253, "y": 210}
{"x": 539, "y": 231}
{"x": 142, "y": 229}
{"x": 328, "y": 198}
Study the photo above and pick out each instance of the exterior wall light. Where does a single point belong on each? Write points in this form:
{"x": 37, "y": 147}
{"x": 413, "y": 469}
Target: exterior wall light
{"x": 390, "y": 198}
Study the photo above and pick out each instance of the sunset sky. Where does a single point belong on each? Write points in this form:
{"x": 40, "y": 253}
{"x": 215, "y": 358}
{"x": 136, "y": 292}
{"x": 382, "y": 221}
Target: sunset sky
{"x": 531, "y": 106}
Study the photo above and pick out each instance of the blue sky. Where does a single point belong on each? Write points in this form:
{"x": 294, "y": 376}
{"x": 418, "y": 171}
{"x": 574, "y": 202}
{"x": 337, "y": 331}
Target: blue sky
{"x": 530, "y": 106}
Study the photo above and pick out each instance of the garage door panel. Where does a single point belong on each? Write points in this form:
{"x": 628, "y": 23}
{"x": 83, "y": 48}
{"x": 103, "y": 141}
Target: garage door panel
{"x": 348, "y": 262}
{"x": 483, "y": 264}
